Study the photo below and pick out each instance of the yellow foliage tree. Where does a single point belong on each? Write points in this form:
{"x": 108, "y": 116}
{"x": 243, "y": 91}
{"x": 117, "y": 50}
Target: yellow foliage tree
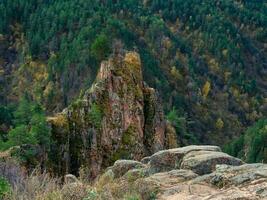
{"x": 213, "y": 64}
{"x": 206, "y": 89}
{"x": 225, "y": 52}
{"x": 176, "y": 73}
{"x": 219, "y": 124}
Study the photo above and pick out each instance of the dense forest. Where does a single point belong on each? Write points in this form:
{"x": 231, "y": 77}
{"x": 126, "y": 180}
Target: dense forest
{"x": 207, "y": 59}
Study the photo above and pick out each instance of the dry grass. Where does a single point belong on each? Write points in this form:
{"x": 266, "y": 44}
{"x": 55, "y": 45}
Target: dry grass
{"x": 34, "y": 186}
{"x": 42, "y": 186}
{"x": 39, "y": 186}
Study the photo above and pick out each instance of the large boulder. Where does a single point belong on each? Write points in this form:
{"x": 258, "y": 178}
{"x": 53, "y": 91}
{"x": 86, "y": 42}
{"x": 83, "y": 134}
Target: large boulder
{"x": 120, "y": 167}
{"x": 167, "y": 160}
{"x": 204, "y": 162}
{"x": 199, "y": 159}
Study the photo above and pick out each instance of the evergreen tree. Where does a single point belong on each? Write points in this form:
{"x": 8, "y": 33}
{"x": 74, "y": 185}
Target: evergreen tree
{"x": 101, "y": 47}
{"x": 31, "y": 132}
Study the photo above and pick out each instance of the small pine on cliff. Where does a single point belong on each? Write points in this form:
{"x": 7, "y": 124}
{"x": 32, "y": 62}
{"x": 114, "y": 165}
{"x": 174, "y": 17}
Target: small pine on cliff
{"x": 119, "y": 117}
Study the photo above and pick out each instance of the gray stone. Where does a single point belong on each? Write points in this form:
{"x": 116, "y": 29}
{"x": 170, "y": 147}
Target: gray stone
{"x": 134, "y": 174}
{"x": 120, "y": 167}
{"x": 204, "y": 162}
{"x": 146, "y": 160}
{"x": 167, "y": 160}
{"x": 262, "y": 192}
{"x": 209, "y": 174}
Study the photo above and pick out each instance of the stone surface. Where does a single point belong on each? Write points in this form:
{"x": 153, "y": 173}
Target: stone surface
{"x": 146, "y": 160}
{"x": 120, "y": 167}
{"x": 171, "y": 159}
{"x": 204, "y": 162}
{"x": 173, "y": 177}
{"x": 237, "y": 175}
{"x": 210, "y": 175}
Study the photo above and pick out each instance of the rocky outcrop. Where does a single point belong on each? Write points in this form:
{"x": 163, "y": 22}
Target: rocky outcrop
{"x": 171, "y": 159}
{"x": 193, "y": 172}
{"x": 204, "y": 162}
{"x": 119, "y": 117}
{"x": 120, "y": 167}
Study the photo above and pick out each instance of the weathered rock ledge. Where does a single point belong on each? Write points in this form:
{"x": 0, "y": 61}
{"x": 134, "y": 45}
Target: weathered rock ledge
{"x": 192, "y": 172}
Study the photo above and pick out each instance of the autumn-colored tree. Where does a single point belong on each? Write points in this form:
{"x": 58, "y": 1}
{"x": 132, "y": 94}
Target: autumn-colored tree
{"x": 206, "y": 89}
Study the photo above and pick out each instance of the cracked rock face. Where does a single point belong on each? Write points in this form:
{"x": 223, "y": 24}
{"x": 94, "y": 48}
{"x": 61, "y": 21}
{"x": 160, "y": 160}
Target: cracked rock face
{"x": 119, "y": 117}
{"x": 192, "y": 172}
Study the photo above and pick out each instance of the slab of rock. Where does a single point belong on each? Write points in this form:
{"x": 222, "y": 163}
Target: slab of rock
{"x": 205, "y": 192}
{"x": 245, "y": 182}
{"x": 159, "y": 181}
{"x": 193, "y": 172}
{"x": 204, "y": 162}
{"x": 167, "y": 160}
{"x": 120, "y": 167}
{"x": 146, "y": 160}
{"x": 173, "y": 177}
{"x": 135, "y": 174}
{"x": 226, "y": 175}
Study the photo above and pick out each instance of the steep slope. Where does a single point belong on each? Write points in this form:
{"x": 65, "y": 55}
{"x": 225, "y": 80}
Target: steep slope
{"x": 118, "y": 117}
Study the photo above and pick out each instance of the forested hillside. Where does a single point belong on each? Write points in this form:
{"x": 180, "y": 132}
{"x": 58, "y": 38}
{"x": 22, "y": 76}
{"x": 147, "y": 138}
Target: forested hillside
{"x": 207, "y": 59}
